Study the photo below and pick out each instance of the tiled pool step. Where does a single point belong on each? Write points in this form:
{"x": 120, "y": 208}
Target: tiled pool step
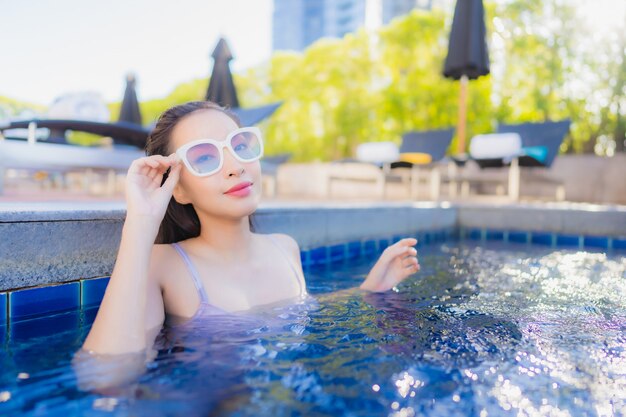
{"x": 36, "y": 302}
{"x": 30, "y": 303}
{"x": 42, "y": 247}
{"x": 545, "y": 238}
{"x": 367, "y": 247}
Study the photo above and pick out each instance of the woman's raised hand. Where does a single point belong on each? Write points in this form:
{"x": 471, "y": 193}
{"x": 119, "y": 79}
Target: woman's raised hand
{"x": 144, "y": 194}
{"x": 395, "y": 264}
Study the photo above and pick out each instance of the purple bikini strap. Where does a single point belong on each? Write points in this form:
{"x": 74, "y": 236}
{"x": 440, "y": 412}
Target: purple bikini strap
{"x": 193, "y": 272}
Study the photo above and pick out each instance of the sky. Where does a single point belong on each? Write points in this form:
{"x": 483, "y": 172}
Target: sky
{"x": 52, "y": 47}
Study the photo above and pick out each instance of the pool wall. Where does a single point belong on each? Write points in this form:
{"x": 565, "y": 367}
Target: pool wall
{"x": 58, "y": 257}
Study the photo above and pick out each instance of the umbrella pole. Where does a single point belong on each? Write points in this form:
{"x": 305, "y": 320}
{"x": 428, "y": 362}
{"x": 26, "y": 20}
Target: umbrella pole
{"x": 460, "y": 145}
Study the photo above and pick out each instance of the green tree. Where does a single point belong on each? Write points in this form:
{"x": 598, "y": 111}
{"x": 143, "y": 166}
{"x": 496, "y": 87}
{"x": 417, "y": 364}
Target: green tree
{"x": 372, "y": 86}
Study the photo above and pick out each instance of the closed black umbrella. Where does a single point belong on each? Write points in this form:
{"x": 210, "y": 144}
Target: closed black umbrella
{"x": 129, "y": 112}
{"x": 467, "y": 57}
{"x": 222, "y": 89}
{"x": 221, "y": 86}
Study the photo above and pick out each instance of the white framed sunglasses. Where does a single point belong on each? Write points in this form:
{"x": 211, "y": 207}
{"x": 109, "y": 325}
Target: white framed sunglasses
{"x": 204, "y": 157}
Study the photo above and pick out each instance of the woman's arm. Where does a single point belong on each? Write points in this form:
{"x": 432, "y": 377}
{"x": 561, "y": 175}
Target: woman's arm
{"x": 131, "y": 313}
{"x": 106, "y": 367}
{"x": 396, "y": 263}
{"x": 123, "y": 318}
{"x": 292, "y": 248}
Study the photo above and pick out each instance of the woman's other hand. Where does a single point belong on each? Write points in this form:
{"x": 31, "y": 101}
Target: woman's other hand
{"x": 144, "y": 194}
{"x": 395, "y": 264}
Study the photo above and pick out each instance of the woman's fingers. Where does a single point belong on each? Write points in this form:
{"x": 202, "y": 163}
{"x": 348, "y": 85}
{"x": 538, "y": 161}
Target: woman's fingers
{"x": 172, "y": 178}
{"x": 162, "y": 165}
{"x": 411, "y": 263}
{"x": 152, "y": 172}
{"x": 146, "y": 165}
{"x": 405, "y": 254}
{"x": 403, "y": 247}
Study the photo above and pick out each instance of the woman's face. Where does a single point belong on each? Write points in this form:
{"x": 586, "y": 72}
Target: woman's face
{"x": 209, "y": 194}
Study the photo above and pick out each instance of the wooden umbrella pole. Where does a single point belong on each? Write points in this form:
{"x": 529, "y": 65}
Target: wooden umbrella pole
{"x": 460, "y": 145}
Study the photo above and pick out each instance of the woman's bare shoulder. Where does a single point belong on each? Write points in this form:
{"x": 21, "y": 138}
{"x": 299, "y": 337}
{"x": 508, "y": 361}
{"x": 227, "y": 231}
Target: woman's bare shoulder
{"x": 286, "y": 241}
{"x": 160, "y": 261}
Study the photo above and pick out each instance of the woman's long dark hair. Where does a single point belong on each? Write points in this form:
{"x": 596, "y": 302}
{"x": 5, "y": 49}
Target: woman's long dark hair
{"x": 181, "y": 220}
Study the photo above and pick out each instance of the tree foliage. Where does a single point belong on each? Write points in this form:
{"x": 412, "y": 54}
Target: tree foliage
{"x": 552, "y": 67}
{"x": 374, "y": 86}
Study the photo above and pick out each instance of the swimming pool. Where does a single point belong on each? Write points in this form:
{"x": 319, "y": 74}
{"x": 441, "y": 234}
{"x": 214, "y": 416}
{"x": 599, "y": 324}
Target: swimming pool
{"x": 489, "y": 328}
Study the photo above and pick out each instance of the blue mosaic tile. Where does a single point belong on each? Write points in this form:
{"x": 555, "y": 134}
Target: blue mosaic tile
{"x": 596, "y": 242}
{"x": 93, "y": 290}
{"x": 3, "y": 309}
{"x": 519, "y": 237}
{"x": 369, "y": 247}
{"x": 382, "y": 244}
{"x": 619, "y": 243}
{"x": 494, "y": 235}
{"x": 38, "y": 301}
{"x": 337, "y": 252}
{"x": 305, "y": 258}
{"x": 397, "y": 238}
{"x": 541, "y": 238}
{"x": 474, "y": 234}
{"x": 318, "y": 255}
{"x": 354, "y": 249}
{"x": 89, "y": 315}
{"x": 26, "y": 330}
{"x": 567, "y": 240}
{"x": 420, "y": 239}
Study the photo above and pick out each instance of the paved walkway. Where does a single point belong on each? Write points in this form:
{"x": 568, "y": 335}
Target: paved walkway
{"x": 33, "y": 194}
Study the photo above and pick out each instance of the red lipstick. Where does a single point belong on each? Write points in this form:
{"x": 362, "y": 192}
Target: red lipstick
{"x": 240, "y": 190}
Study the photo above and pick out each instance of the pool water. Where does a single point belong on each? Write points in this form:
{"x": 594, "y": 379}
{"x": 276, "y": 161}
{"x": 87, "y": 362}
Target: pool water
{"x": 484, "y": 329}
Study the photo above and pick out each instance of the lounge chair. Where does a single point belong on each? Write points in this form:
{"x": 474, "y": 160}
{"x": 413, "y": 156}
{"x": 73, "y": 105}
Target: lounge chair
{"x": 34, "y": 154}
{"x": 522, "y": 152}
{"x": 420, "y": 160}
{"x": 382, "y": 163}
{"x": 370, "y": 166}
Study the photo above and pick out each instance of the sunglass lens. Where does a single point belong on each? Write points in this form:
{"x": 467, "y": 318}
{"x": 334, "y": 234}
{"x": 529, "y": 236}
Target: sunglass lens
{"x": 204, "y": 158}
{"x": 247, "y": 145}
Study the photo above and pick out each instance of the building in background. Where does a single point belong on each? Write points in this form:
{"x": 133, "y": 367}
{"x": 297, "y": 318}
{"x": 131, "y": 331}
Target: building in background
{"x": 299, "y": 23}
{"x": 395, "y": 8}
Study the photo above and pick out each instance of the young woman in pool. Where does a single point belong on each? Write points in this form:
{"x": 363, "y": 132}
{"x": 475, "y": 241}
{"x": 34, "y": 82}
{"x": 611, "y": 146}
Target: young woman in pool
{"x": 194, "y": 195}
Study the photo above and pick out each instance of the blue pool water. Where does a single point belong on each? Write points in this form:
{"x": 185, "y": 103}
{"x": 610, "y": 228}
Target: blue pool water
{"x": 486, "y": 329}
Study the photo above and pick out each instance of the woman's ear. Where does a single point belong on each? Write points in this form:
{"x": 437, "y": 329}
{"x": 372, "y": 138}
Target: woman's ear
{"x": 180, "y": 195}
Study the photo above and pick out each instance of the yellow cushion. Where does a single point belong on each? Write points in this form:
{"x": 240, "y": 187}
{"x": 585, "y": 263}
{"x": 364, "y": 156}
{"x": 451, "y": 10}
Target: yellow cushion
{"x": 418, "y": 158}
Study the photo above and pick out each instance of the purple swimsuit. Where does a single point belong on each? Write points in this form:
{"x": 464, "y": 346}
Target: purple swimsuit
{"x": 208, "y": 309}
